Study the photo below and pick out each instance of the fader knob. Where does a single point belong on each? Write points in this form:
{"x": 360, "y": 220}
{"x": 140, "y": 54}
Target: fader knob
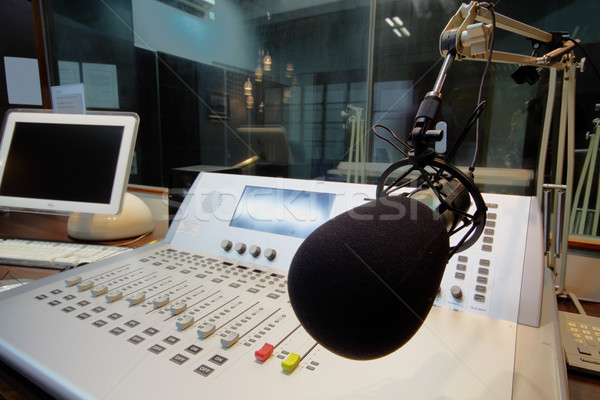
{"x": 178, "y": 308}
{"x": 270, "y": 254}
{"x": 254, "y": 251}
{"x": 240, "y": 247}
{"x": 113, "y": 295}
{"x": 226, "y": 245}
{"x": 456, "y": 292}
{"x": 72, "y": 281}
{"x": 161, "y": 301}
{"x": 99, "y": 290}
{"x": 136, "y": 298}
{"x": 85, "y": 285}
{"x": 206, "y": 329}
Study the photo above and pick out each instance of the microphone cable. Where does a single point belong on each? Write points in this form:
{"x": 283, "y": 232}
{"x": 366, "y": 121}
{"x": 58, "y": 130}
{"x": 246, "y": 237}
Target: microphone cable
{"x": 490, "y": 8}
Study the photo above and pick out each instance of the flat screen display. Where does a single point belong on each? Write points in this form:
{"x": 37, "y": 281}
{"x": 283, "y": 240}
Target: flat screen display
{"x": 62, "y": 162}
{"x": 66, "y": 163}
{"x": 282, "y": 211}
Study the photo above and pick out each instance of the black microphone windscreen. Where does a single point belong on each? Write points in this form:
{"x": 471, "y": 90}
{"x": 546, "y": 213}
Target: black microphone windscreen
{"x": 363, "y": 283}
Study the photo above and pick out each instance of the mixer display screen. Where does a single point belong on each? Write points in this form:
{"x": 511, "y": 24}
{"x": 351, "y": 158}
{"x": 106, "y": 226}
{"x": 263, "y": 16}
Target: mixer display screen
{"x": 282, "y": 211}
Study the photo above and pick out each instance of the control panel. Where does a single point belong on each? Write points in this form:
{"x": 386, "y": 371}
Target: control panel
{"x": 259, "y": 220}
{"x": 264, "y": 220}
{"x": 485, "y": 278}
{"x": 206, "y": 311}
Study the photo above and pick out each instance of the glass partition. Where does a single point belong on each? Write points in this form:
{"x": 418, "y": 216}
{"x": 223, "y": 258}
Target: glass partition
{"x": 214, "y": 83}
{"x": 293, "y": 87}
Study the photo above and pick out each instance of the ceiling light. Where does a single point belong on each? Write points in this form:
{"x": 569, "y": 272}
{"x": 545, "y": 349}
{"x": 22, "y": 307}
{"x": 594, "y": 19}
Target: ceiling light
{"x": 398, "y": 21}
{"x": 397, "y": 32}
{"x": 404, "y": 31}
{"x": 389, "y": 22}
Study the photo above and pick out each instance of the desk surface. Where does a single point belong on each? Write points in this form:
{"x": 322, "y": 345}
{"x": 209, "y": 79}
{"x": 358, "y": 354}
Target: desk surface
{"x": 17, "y": 225}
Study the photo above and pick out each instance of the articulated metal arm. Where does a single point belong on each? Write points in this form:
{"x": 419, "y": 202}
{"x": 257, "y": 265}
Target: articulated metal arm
{"x": 468, "y": 32}
{"x": 467, "y": 36}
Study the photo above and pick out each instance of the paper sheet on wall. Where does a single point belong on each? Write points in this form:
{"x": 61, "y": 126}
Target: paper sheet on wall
{"x": 68, "y": 98}
{"x": 23, "y": 81}
{"x": 101, "y": 86}
{"x": 68, "y": 72}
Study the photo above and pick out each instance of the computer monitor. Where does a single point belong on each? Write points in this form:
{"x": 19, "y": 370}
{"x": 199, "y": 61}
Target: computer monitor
{"x": 67, "y": 163}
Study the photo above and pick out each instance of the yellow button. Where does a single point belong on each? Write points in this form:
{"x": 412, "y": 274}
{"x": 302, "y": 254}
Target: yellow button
{"x": 290, "y": 363}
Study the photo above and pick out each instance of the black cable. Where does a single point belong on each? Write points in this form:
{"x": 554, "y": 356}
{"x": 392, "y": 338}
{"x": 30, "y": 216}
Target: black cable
{"x": 388, "y": 140}
{"x": 588, "y": 59}
{"x": 394, "y": 135}
{"x": 471, "y": 121}
{"x": 490, "y": 8}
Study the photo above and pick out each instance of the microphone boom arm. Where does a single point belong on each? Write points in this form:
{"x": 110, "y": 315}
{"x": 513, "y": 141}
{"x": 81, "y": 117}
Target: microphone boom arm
{"x": 428, "y": 113}
{"x": 466, "y": 36}
{"x": 468, "y": 31}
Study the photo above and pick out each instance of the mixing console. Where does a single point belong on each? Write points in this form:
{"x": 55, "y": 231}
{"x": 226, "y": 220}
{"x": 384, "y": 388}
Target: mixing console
{"x": 206, "y": 314}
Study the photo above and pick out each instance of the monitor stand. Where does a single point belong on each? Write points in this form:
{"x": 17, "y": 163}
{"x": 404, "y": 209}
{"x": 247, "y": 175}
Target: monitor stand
{"x": 135, "y": 219}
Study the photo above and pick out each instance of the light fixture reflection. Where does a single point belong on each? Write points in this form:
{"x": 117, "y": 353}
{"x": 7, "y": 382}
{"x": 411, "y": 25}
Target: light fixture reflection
{"x": 248, "y": 87}
{"x": 398, "y": 27}
{"x": 258, "y": 73}
{"x": 267, "y": 61}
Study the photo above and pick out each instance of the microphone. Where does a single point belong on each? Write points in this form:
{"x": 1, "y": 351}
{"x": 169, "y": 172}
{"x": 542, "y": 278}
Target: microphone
{"x": 363, "y": 283}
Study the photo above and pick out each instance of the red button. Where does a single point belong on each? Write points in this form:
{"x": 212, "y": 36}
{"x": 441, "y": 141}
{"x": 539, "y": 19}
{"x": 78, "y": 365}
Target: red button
{"x": 264, "y": 353}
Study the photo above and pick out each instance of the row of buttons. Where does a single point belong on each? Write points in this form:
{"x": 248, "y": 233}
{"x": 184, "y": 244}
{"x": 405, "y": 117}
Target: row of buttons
{"x": 483, "y": 271}
{"x": 481, "y": 280}
{"x": 585, "y": 334}
{"x": 490, "y": 225}
{"x": 484, "y": 264}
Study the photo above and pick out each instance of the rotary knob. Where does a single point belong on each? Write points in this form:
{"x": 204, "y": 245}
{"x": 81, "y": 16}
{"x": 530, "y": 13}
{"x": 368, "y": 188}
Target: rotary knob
{"x": 254, "y": 251}
{"x": 456, "y": 292}
{"x": 270, "y": 254}
{"x": 240, "y": 247}
{"x": 226, "y": 245}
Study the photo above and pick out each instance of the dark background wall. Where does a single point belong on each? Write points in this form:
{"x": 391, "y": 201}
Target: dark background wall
{"x": 17, "y": 40}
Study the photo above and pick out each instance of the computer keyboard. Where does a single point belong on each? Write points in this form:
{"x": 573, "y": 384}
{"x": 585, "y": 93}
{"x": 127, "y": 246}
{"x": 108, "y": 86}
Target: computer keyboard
{"x": 50, "y": 254}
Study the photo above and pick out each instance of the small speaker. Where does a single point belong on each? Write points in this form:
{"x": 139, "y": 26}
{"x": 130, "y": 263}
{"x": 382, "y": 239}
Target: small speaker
{"x": 212, "y": 202}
